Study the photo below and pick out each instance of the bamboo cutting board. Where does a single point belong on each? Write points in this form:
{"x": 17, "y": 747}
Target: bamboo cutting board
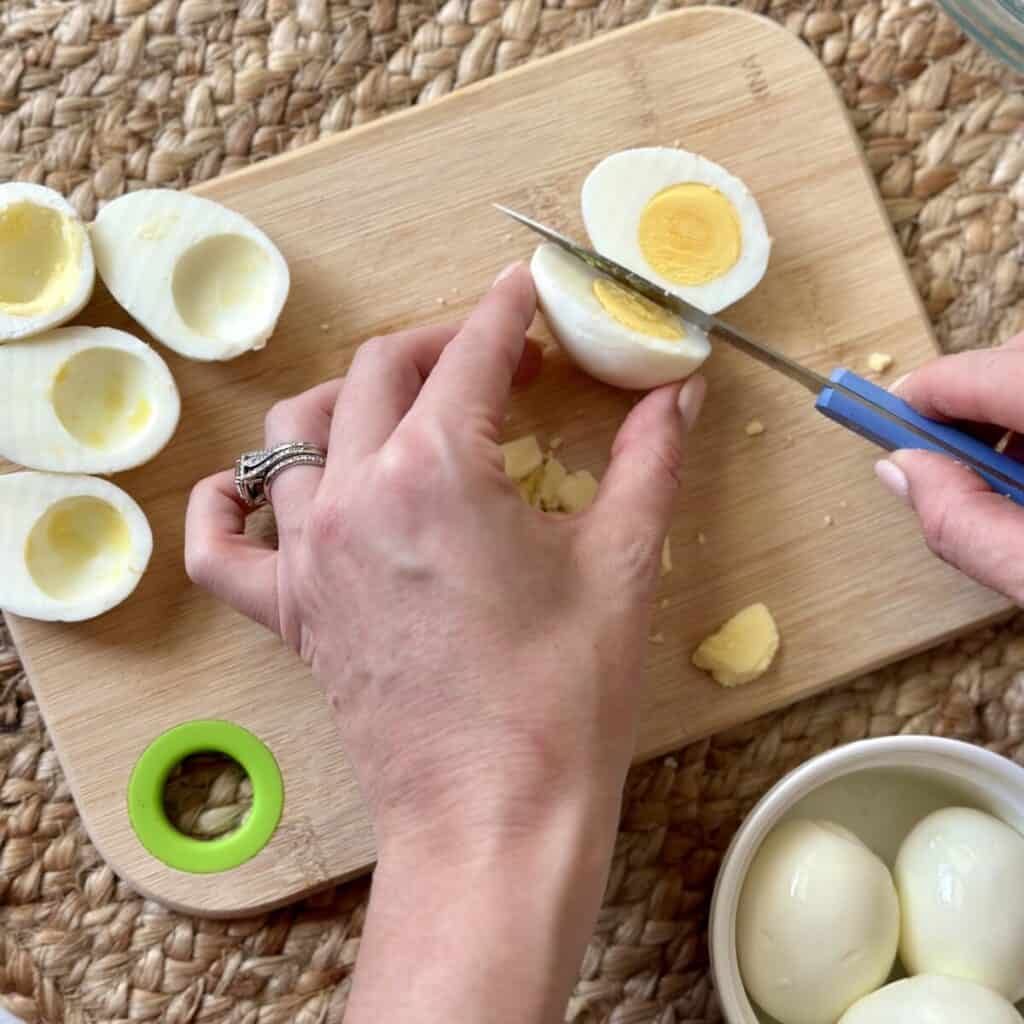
{"x": 378, "y": 226}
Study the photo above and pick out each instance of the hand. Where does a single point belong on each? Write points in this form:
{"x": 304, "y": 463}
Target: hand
{"x": 964, "y": 522}
{"x": 482, "y": 660}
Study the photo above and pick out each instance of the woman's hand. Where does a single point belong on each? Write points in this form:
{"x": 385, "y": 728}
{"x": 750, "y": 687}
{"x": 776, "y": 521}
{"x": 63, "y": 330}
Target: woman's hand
{"x": 482, "y": 660}
{"x": 964, "y": 522}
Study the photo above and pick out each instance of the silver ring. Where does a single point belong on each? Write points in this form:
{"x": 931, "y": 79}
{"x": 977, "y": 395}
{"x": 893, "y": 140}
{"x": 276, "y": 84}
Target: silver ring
{"x": 255, "y": 471}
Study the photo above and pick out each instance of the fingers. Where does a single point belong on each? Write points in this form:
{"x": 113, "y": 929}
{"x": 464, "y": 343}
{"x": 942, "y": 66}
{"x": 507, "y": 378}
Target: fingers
{"x": 473, "y": 377}
{"x": 963, "y": 521}
{"x": 638, "y": 494}
{"x": 381, "y": 385}
{"x": 983, "y": 387}
{"x": 220, "y": 558}
{"x": 306, "y": 417}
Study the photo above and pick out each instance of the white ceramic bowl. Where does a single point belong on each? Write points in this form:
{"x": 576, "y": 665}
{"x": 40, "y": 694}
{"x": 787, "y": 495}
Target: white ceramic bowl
{"x": 879, "y": 789}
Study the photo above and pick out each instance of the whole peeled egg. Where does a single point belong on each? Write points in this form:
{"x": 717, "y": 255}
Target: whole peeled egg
{"x": 931, "y": 999}
{"x": 960, "y": 875}
{"x": 818, "y": 923}
{"x": 610, "y": 332}
{"x": 679, "y": 220}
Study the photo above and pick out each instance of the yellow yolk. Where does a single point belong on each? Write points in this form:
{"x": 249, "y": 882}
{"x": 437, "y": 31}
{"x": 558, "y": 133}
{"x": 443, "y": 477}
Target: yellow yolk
{"x": 40, "y": 259}
{"x": 636, "y": 312}
{"x": 100, "y": 396}
{"x": 78, "y": 548}
{"x": 690, "y": 234}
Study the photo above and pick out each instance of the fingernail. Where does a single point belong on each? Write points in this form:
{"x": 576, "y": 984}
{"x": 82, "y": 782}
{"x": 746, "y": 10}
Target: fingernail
{"x": 508, "y": 271}
{"x": 894, "y": 387}
{"x": 893, "y": 479}
{"x": 690, "y": 400}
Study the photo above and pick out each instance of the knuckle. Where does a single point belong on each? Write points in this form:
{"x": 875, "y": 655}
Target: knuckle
{"x": 200, "y": 563}
{"x": 370, "y": 353}
{"x": 279, "y": 418}
{"x": 942, "y": 531}
{"x": 666, "y": 460}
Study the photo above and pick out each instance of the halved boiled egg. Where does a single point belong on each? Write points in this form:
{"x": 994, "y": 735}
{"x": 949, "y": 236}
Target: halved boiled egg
{"x": 611, "y": 332}
{"x": 679, "y": 220}
{"x": 46, "y": 264}
{"x": 71, "y": 547}
{"x": 199, "y": 277}
{"x": 84, "y": 400}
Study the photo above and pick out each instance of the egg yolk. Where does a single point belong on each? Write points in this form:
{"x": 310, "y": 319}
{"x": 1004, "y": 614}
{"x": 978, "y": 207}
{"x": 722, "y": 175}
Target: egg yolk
{"x": 636, "y": 312}
{"x": 40, "y": 259}
{"x": 690, "y": 233}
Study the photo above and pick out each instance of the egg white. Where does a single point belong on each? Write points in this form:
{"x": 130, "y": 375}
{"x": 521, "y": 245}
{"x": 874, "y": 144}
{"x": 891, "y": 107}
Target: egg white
{"x": 598, "y": 343}
{"x": 103, "y": 581}
{"x": 618, "y": 189}
{"x": 979, "y": 934}
{"x": 818, "y": 923}
{"x": 200, "y": 278}
{"x": 14, "y": 327}
{"x": 34, "y": 396}
{"x": 931, "y": 999}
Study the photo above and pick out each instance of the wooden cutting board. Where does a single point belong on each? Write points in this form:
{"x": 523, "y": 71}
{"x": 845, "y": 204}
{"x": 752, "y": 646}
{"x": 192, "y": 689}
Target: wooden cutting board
{"x": 380, "y": 224}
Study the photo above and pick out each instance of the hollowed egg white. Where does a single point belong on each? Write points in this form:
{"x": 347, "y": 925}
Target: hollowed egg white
{"x": 678, "y": 220}
{"x": 46, "y": 263}
{"x": 609, "y": 332}
{"x": 200, "y": 278}
{"x": 84, "y": 400}
{"x": 71, "y": 547}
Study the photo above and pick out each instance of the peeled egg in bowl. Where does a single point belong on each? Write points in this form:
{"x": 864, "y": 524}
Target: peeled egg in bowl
{"x": 679, "y": 220}
{"x": 46, "y": 262}
{"x": 71, "y": 547}
{"x": 84, "y": 400}
{"x": 960, "y": 874}
{"x": 932, "y": 999}
{"x": 200, "y": 278}
{"x": 610, "y": 332}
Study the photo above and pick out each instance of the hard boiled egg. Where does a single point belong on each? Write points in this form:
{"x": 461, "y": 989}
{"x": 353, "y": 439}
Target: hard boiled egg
{"x": 818, "y": 923}
{"x": 609, "y": 331}
{"x": 679, "y": 220}
{"x": 199, "y": 277}
{"x": 46, "y": 264}
{"x": 84, "y": 400}
{"x": 960, "y": 875}
{"x": 71, "y": 547}
{"x": 930, "y": 999}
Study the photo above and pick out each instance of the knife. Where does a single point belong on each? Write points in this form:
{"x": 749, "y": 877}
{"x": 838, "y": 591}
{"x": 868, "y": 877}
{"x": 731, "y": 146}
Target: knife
{"x": 848, "y": 399}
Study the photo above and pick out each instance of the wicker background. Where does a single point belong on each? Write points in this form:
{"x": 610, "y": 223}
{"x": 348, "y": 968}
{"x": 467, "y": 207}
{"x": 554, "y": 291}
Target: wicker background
{"x": 96, "y": 97}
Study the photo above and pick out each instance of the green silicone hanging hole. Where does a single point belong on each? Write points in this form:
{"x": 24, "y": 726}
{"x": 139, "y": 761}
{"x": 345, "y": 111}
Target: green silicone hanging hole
{"x": 244, "y": 834}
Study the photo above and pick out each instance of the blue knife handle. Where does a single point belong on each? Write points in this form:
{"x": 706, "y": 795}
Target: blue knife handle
{"x": 869, "y": 423}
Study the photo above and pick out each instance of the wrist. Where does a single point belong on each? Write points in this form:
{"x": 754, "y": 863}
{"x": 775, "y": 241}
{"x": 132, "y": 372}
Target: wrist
{"x": 485, "y": 929}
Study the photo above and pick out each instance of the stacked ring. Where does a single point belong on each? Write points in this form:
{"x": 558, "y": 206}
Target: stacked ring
{"x": 255, "y": 471}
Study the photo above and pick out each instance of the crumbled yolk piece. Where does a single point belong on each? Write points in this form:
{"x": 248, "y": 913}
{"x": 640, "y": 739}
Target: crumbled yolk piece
{"x": 40, "y": 259}
{"x": 636, "y": 312}
{"x": 690, "y": 234}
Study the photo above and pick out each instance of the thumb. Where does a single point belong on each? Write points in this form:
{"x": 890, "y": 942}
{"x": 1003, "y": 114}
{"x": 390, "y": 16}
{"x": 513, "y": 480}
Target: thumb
{"x": 638, "y": 493}
{"x": 964, "y": 522}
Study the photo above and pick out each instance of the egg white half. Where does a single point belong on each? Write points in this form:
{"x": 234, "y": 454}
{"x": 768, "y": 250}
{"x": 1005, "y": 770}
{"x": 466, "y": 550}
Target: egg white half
{"x": 597, "y": 342}
{"x": 71, "y": 547}
{"x": 85, "y": 400}
{"x": 618, "y": 189}
{"x": 201, "y": 278}
{"x": 43, "y": 242}
{"x": 931, "y": 999}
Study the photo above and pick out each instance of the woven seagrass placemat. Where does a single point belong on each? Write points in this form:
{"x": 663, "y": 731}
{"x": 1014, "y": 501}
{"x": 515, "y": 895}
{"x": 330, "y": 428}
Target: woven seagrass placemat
{"x": 99, "y": 96}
